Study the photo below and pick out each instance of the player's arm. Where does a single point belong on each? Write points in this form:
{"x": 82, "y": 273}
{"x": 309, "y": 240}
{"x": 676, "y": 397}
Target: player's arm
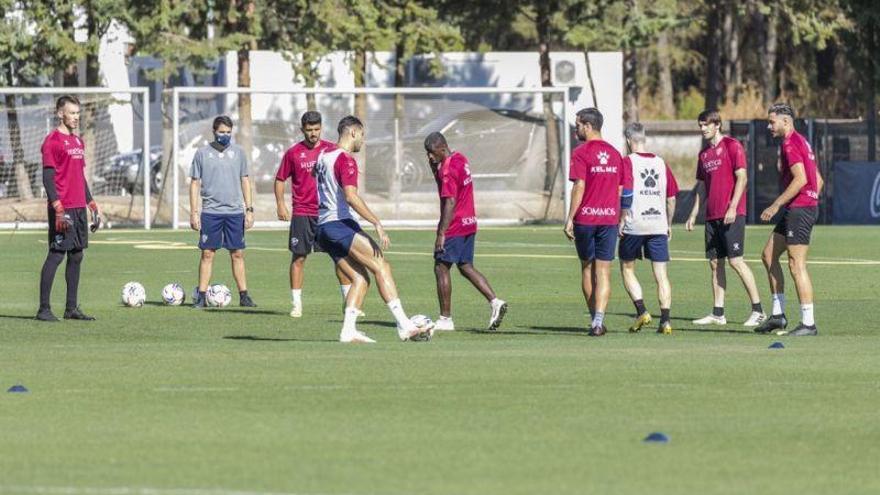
{"x": 93, "y": 208}
{"x": 52, "y": 196}
{"x": 447, "y": 213}
{"x": 248, "y": 202}
{"x": 799, "y": 180}
{"x": 360, "y": 206}
{"x": 577, "y": 195}
{"x": 699, "y": 193}
{"x": 280, "y": 205}
{"x": 739, "y": 188}
{"x": 820, "y": 182}
{"x": 195, "y": 193}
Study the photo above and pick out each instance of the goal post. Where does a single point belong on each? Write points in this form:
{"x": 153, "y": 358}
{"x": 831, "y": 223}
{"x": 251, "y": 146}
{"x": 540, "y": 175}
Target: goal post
{"x": 520, "y": 174}
{"x": 115, "y": 127}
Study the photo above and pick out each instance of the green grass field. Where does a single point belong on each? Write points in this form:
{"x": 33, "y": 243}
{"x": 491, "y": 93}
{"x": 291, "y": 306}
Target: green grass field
{"x": 169, "y": 400}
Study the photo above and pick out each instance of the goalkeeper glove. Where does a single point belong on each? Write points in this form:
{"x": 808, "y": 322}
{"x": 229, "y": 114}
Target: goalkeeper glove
{"x": 61, "y": 223}
{"x": 96, "y": 217}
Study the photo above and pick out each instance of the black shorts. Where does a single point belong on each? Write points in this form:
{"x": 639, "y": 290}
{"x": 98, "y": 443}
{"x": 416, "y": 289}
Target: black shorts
{"x": 301, "y": 241}
{"x": 796, "y": 224}
{"x": 77, "y": 235}
{"x": 725, "y": 241}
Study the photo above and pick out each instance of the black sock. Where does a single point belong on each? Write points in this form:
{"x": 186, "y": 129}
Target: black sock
{"x": 47, "y": 276}
{"x": 242, "y": 293}
{"x": 592, "y": 315}
{"x": 640, "y": 307}
{"x": 664, "y": 315}
{"x": 718, "y": 311}
{"x": 757, "y": 308}
{"x": 201, "y": 295}
{"x": 71, "y": 275}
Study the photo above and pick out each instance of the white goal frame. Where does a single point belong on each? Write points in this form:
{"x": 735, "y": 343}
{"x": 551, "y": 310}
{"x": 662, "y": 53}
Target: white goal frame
{"x": 138, "y": 90}
{"x": 563, "y": 92}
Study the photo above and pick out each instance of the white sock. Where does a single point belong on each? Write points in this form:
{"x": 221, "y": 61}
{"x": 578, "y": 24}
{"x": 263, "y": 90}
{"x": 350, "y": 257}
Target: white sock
{"x": 296, "y": 297}
{"x": 778, "y": 304}
{"x": 344, "y": 290}
{"x": 350, "y": 319}
{"x": 444, "y": 318}
{"x": 397, "y": 310}
{"x": 598, "y": 319}
{"x": 807, "y": 315}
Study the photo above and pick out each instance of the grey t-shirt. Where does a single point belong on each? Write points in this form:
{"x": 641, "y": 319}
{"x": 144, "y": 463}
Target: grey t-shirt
{"x": 220, "y": 173}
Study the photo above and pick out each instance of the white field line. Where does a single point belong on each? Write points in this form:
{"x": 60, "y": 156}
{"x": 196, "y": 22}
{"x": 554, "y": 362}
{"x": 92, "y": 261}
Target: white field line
{"x": 131, "y": 490}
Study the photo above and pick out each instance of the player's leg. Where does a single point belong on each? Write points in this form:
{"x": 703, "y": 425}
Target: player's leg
{"x": 629, "y": 251}
{"x": 444, "y": 294}
{"x": 605, "y": 242}
{"x": 664, "y": 296}
{"x": 344, "y": 287}
{"x": 735, "y": 240}
{"x": 206, "y": 266}
{"x": 360, "y": 281}
{"x": 47, "y": 277}
{"x": 587, "y": 279}
{"x": 585, "y": 244}
{"x": 210, "y": 240}
{"x": 716, "y": 251}
{"x": 362, "y": 249}
{"x": 239, "y": 273}
{"x": 801, "y": 226}
{"x": 770, "y": 256}
{"x": 71, "y": 277}
{"x": 233, "y": 240}
{"x": 297, "y": 274}
{"x": 463, "y": 256}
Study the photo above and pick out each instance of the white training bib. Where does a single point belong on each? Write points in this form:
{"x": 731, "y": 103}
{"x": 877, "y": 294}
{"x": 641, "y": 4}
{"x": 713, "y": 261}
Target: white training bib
{"x": 648, "y": 213}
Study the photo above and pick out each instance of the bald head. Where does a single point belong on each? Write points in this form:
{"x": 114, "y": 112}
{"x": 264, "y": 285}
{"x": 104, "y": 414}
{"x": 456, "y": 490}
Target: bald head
{"x": 437, "y": 148}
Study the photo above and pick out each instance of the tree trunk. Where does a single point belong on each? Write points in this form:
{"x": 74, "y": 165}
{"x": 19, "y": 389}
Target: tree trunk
{"x": 667, "y": 94}
{"x": 872, "y": 94}
{"x": 713, "y": 66}
{"x": 399, "y": 117}
{"x": 360, "y": 108}
{"x": 767, "y": 30}
{"x": 552, "y": 134}
{"x": 22, "y": 180}
{"x": 245, "y": 123}
{"x": 90, "y": 106}
{"x": 732, "y": 62}
{"x": 630, "y": 85}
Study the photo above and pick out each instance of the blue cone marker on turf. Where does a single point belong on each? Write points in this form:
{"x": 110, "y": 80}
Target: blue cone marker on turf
{"x": 19, "y": 389}
{"x": 777, "y": 345}
{"x": 656, "y": 437}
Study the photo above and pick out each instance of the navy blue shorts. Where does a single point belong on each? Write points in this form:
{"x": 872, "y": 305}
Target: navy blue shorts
{"x": 222, "y": 231}
{"x": 653, "y": 247}
{"x": 458, "y": 250}
{"x": 595, "y": 242}
{"x": 335, "y": 238}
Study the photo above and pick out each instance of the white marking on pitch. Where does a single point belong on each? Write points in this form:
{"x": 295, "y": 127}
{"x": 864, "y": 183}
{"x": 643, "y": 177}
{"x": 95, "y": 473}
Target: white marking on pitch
{"x": 130, "y": 490}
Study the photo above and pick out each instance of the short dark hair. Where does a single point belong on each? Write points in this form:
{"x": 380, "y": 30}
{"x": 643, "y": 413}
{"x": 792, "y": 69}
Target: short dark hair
{"x": 64, "y": 100}
{"x": 782, "y": 109}
{"x": 310, "y": 118}
{"x": 222, "y": 120}
{"x": 709, "y": 116}
{"x": 591, "y": 116}
{"x": 346, "y": 122}
{"x": 435, "y": 140}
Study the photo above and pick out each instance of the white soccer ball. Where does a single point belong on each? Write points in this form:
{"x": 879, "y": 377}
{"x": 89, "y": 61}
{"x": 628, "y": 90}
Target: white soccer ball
{"x": 134, "y": 295}
{"x": 173, "y": 294}
{"x": 422, "y": 322}
{"x": 218, "y": 296}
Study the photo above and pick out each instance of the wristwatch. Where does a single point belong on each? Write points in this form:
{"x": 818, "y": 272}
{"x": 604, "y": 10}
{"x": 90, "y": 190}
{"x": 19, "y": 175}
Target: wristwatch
{"x": 249, "y": 209}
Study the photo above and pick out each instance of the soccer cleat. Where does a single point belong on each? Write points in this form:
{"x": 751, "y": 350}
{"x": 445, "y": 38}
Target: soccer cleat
{"x": 444, "y": 325}
{"x": 804, "y": 331}
{"x": 641, "y": 320}
{"x": 665, "y": 328}
{"x": 755, "y": 319}
{"x": 776, "y": 323}
{"x": 354, "y": 337}
{"x": 711, "y": 320}
{"x": 45, "y": 314}
{"x": 598, "y": 331}
{"x": 199, "y": 301}
{"x": 296, "y": 311}
{"x": 77, "y": 314}
{"x": 499, "y": 309}
{"x": 245, "y": 301}
{"x": 412, "y": 332}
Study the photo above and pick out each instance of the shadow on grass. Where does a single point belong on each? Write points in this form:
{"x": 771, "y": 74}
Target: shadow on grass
{"x": 379, "y": 323}
{"x": 245, "y": 311}
{"x": 567, "y": 331}
{"x": 713, "y": 330}
{"x": 18, "y": 317}
{"x": 255, "y": 338}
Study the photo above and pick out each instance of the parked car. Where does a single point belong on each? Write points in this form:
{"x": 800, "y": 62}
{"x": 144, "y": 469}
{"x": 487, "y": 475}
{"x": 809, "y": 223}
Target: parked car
{"x": 503, "y": 146}
{"x": 124, "y": 171}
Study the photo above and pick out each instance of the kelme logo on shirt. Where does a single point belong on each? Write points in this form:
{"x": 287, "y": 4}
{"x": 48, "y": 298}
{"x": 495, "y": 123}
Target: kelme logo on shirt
{"x": 650, "y": 177}
{"x": 603, "y": 156}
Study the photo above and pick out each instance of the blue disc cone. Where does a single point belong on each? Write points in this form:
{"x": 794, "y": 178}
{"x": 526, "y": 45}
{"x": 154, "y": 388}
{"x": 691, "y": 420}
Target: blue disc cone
{"x": 656, "y": 437}
{"x": 19, "y": 389}
{"x": 777, "y": 345}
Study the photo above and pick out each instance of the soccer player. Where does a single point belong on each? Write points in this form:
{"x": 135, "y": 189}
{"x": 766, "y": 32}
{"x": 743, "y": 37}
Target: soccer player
{"x": 801, "y": 183}
{"x": 598, "y": 176}
{"x": 647, "y": 226}
{"x": 297, "y": 165}
{"x": 68, "y": 196}
{"x": 220, "y": 183}
{"x": 340, "y": 236}
{"x": 721, "y": 180}
{"x": 456, "y": 230}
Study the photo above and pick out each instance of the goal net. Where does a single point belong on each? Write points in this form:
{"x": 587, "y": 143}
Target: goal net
{"x": 114, "y": 128}
{"x": 516, "y": 141}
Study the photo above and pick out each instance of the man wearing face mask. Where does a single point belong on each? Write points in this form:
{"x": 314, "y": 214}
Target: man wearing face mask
{"x": 221, "y": 207}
